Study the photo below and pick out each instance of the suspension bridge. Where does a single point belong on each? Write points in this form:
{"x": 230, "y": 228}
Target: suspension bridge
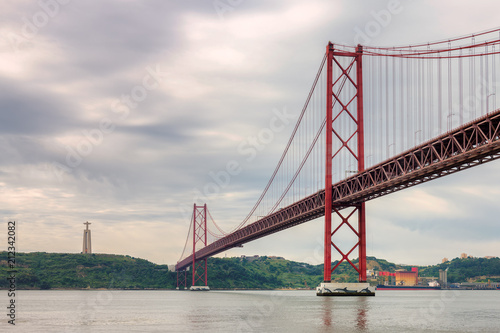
{"x": 376, "y": 120}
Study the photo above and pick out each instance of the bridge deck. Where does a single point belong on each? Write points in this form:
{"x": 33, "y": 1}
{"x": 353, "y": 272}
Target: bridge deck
{"x": 469, "y": 145}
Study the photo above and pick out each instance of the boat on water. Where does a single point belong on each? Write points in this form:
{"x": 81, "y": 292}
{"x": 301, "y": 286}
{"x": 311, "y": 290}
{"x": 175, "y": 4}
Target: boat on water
{"x": 419, "y": 287}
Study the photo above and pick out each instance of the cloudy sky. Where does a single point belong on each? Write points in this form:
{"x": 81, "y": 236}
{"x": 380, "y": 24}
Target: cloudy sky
{"x": 116, "y": 112}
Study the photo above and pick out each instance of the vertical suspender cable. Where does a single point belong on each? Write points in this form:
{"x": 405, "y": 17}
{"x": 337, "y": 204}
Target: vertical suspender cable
{"x": 420, "y": 94}
{"x": 450, "y": 94}
{"x": 430, "y": 85}
{"x": 494, "y": 79}
{"x": 403, "y": 111}
{"x": 461, "y": 88}
{"x": 372, "y": 109}
{"x": 379, "y": 112}
{"x": 473, "y": 81}
{"x": 487, "y": 81}
{"x": 408, "y": 103}
{"x": 421, "y": 111}
{"x": 394, "y": 113}
{"x": 440, "y": 96}
{"x": 386, "y": 104}
{"x": 481, "y": 85}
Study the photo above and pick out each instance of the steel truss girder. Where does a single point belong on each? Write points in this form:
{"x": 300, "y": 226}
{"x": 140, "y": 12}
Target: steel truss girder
{"x": 469, "y": 145}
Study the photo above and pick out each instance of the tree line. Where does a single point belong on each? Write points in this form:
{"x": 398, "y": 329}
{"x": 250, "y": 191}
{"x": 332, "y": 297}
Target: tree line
{"x": 41, "y": 270}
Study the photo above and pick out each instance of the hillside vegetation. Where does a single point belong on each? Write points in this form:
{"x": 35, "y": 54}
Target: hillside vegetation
{"x": 467, "y": 270}
{"x": 42, "y": 270}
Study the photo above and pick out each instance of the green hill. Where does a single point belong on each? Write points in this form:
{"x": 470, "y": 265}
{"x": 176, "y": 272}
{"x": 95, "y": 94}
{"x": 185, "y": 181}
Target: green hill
{"x": 42, "y": 270}
{"x": 262, "y": 272}
{"x": 468, "y": 269}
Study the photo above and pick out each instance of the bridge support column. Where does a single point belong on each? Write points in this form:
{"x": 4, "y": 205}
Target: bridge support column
{"x": 181, "y": 279}
{"x": 344, "y": 101}
{"x": 199, "y": 236}
{"x": 345, "y": 289}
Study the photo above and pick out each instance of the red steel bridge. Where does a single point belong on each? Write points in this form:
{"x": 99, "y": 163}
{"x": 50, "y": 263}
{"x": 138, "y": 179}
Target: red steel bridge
{"x": 376, "y": 120}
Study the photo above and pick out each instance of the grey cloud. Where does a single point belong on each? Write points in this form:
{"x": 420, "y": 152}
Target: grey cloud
{"x": 33, "y": 110}
{"x": 147, "y": 168}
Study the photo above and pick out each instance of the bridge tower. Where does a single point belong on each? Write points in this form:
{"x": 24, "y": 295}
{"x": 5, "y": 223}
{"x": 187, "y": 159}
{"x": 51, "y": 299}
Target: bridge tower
{"x": 199, "y": 267}
{"x": 181, "y": 279}
{"x": 348, "y": 75}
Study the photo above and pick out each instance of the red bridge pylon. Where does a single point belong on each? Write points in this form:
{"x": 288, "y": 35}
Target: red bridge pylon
{"x": 199, "y": 236}
{"x": 344, "y": 104}
{"x": 182, "y": 279}
{"x": 199, "y": 267}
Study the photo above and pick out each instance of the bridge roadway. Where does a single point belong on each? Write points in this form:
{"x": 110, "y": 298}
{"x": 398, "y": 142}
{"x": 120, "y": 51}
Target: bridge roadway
{"x": 469, "y": 145}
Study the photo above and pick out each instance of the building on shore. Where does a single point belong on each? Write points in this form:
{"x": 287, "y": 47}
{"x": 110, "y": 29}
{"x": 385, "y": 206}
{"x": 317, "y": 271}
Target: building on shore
{"x": 443, "y": 278}
{"x": 407, "y": 278}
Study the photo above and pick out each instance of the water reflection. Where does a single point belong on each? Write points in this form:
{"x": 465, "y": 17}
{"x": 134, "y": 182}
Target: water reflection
{"x": 337, "y": 312}
{"x": 362, "y": 308}
{"x": 327, "y": 311}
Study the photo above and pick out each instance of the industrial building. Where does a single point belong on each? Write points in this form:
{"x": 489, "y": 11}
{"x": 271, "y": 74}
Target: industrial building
{"x": 402, "y": 277}
{"x": 407, "y": 278}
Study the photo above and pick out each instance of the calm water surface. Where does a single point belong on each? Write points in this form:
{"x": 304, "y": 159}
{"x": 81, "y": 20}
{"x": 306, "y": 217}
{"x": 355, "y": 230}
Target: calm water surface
{"x": 253, "y": 311}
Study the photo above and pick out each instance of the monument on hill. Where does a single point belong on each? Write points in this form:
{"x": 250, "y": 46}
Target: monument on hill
{"x": 87, "y": 244}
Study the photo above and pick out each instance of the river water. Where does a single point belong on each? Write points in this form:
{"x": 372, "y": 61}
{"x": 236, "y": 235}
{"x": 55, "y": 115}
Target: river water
{"x": 253, "y": 311}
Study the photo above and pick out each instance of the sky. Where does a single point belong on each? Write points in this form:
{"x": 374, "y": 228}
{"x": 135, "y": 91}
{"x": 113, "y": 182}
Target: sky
{"x": 119, "y": 112}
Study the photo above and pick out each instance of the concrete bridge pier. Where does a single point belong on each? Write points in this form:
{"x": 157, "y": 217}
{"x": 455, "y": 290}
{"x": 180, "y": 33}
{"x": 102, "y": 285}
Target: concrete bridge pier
{"x": 345, "y": 289}
{"x": 199, "y": 288}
